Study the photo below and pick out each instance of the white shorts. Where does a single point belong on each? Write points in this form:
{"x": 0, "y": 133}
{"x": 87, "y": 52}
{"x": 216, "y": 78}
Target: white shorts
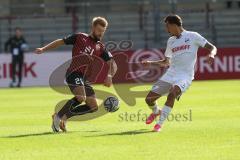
{"x": 168, "y": 80}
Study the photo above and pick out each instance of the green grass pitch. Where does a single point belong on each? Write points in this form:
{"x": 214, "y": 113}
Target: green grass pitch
{"x": 210, "y": 132}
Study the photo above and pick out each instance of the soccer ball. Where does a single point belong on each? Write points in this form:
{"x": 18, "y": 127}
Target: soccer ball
{"x": 111, "y": 104}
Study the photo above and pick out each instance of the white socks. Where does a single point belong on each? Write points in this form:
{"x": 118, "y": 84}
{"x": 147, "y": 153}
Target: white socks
{"x": 164, "y": 114}
{"x": 155, "y": 109}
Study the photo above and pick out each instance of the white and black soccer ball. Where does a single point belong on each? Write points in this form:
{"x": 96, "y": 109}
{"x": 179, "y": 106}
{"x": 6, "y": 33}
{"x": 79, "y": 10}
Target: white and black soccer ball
{"x": 111, "y": 104}
{"x": 24, "y": 47}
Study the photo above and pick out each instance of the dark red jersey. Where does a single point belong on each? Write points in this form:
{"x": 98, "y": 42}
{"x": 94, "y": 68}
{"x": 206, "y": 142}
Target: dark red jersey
{"x": 84, "y": 52}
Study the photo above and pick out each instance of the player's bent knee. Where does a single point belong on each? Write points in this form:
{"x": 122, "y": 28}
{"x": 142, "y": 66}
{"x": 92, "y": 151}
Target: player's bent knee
{"x": 149, "y": 101}
{"x": 93, "y": 105}
{"x": 81, "y": 98}
{"x": 94, "y": 108}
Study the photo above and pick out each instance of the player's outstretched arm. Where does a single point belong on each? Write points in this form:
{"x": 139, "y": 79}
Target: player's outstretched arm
{"x": 213, "y": 51}
{"x": 52, "y": 45}
{"x": 162, "y": 63}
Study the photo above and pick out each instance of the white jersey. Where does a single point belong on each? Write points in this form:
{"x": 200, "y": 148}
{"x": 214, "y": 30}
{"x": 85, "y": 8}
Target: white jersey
{"x": 182, "y": 52}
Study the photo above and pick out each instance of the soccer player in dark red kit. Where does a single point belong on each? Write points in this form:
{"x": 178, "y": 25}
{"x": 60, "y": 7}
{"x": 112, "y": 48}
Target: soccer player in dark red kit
{"x": 85, "y": 48}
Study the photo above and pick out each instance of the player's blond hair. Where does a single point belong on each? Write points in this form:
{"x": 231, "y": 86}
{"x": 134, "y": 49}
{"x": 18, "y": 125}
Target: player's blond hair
{"x": 99, "y": 20}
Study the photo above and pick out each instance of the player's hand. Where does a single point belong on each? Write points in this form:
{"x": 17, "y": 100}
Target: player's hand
{"x": 146, "y": 63}
{"x": 108, "y": 81}
{"x": 210, "y": 60}
{"x": 39, "y": 50}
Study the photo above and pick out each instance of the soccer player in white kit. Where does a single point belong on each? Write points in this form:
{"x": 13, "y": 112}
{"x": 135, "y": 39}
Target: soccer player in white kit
{"x": 180, "y": 56}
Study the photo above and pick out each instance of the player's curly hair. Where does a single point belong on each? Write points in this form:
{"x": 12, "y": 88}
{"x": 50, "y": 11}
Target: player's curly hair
{"x": 99, "y": 20}
{"x": 173, "y": 19}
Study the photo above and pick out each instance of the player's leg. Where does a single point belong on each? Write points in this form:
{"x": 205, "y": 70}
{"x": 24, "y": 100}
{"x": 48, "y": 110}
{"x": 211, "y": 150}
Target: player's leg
{"x": 152, "y": 104}
{"x": 91, "y": 101}
{"x": 174, "y": 93}
{"x": 73, "y": 106}
{"x": 151, "y": 100}
{"x": 20, "y": 66}
{"x": 79, "y": 97}
{"x": 76, "y": 85}
{"x": 89, "y": 106}
{"x": 159, "y": 88}
{"x": 13, "y": 71}
{"x": 81, "y": 109}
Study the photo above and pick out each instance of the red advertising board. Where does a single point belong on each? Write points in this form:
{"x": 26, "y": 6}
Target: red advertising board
{"x": 38, "y": 69}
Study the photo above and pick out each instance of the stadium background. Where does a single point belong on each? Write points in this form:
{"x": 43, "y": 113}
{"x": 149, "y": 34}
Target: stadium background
{"x": 212, "y": 106}
{"x": 138, "y": 21}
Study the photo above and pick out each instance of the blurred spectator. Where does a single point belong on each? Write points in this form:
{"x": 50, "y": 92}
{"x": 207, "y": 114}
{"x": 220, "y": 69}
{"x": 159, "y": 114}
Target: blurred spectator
{"x": 17, "y": 46}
